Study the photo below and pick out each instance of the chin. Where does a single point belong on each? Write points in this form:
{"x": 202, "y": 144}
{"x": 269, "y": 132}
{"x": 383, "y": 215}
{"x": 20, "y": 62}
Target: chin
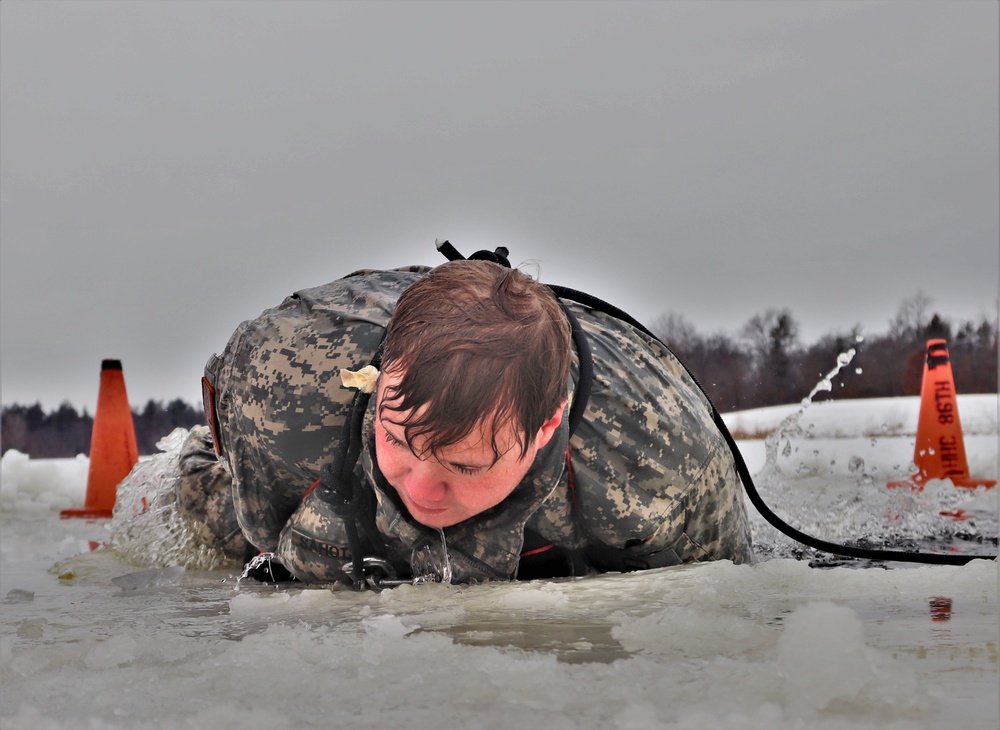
{"x": 436, "y": 521}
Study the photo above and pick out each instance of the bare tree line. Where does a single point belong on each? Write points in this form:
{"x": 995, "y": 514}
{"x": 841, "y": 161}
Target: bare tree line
{"x": 64, "y": 432}
{"x": 763, "y": 364}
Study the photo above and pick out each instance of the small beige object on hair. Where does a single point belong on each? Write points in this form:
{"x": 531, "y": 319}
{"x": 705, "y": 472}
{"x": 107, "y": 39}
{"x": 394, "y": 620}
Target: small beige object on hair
{"x": 364, "y": 379}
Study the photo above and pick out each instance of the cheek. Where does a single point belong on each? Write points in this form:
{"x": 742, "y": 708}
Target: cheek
{"x": 482, "y": 495}
{"x": 508, "y": 479}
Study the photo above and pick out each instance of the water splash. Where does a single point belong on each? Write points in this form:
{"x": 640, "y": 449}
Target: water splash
{"x": 790, "y": 427}
{"x": 827, "y": 489}
{"x": 146, "y": 526}
{"x": 430, "y": 562}
{"x": 446, "y": 561}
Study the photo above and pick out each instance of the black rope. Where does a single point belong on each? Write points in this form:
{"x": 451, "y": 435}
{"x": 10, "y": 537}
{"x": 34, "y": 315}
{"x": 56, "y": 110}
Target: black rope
{"x": 585, "y": 379}
{"x": 830, "y": 547}
{"x": 751, "y": 488}
{"x": 340, "y": 488}
{"x": 758, "y": 502}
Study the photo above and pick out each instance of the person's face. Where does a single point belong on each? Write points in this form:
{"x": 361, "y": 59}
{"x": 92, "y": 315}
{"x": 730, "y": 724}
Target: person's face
{"x": 463, "y": 479}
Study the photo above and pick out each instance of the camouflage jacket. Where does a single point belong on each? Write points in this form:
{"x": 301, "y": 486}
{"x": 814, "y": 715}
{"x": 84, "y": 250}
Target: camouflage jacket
{"x": 646, "y": 480}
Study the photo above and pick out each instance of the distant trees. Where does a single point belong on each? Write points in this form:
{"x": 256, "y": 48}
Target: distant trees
{"x": 773, "y": 339}
{"x": 893, "y": 363}
{"x": 65, "y": 432}
{"x": 766, "y": 365}
{"x": 718, "y": 362}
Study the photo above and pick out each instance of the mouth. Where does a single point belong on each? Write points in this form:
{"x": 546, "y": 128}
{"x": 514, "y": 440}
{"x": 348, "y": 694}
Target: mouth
{"x": 415, "y": 507}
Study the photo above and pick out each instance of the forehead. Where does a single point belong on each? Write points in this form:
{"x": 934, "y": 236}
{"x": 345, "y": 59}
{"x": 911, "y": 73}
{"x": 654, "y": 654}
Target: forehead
{"x": 483, "y": 435}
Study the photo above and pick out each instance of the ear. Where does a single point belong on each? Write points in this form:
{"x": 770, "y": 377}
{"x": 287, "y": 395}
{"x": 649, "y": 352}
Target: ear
{"x": 548, "y": 428}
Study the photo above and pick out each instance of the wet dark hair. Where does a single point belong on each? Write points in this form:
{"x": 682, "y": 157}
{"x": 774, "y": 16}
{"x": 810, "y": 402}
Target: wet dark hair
{"x": 476, "y": 342}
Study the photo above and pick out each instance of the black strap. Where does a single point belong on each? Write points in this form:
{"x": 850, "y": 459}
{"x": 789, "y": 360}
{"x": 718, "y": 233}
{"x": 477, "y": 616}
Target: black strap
{"x": 585, "y": 379}
{"x": 497, "y": 256}
{"x": 340, "y": 488}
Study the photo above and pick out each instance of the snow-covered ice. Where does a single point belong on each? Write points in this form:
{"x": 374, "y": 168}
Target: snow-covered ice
{"x": 90, "y": 639}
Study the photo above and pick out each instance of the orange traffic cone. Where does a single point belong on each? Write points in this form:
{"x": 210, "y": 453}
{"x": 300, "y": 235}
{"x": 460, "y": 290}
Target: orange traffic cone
{"x": 113, "y": 449}
{"x": 940, "y": 449}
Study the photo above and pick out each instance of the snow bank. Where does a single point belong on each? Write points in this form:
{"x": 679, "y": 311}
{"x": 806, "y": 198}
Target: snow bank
{"x": 41, "y": 485}
{"x": 872, "y": 417}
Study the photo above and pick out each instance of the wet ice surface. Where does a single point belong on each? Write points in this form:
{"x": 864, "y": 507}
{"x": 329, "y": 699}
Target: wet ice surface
{"x": 89, "y": 640}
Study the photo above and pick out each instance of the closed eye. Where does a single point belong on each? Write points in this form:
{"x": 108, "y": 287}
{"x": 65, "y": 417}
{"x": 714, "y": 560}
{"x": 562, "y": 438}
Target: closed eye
{"x": 464, "y": 469}
{"x": 392, "y": 440}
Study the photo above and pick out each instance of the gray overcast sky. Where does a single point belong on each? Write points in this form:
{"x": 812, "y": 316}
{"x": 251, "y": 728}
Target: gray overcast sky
{"x": 170, "y": 169}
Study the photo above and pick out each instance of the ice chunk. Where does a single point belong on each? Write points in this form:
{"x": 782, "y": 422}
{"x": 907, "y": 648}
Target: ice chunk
{"x": 822, "y": 653}
{"x": 255, "y": 604}
{"x": 151, "y": 578}
{"x": 387, "y": 627}
{"x": 18, "y": 595}
{"x": 113, "y": 652}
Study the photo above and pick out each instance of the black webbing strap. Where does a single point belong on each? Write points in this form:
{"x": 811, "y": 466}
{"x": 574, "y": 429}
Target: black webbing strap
{"x": 585, "y": 379}
{"x": 340, "y": 488}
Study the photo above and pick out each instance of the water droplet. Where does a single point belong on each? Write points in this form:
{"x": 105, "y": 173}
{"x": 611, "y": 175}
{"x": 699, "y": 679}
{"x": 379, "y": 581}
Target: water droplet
{"x": 856, "y": 464}
{"x": 858, "y": 370}
{"x": 446, "y": 567}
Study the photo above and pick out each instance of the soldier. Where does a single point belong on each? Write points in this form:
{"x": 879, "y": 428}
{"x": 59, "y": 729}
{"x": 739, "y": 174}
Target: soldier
{"x": 467, "y": 463}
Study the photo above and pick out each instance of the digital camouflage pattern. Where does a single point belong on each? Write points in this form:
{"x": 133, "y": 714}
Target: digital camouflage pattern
{"x": 205, "y": 496}
{"x": 279, "y": 401}
{"x": 652, "y": 482}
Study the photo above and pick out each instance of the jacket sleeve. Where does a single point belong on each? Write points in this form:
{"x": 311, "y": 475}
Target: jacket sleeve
{"x": 313, "y": 545}
{"x": 205, "y": 496}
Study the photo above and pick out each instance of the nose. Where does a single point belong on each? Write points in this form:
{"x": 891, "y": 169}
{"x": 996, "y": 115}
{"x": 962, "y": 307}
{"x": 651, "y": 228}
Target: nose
{"x": 424, "y": 482}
